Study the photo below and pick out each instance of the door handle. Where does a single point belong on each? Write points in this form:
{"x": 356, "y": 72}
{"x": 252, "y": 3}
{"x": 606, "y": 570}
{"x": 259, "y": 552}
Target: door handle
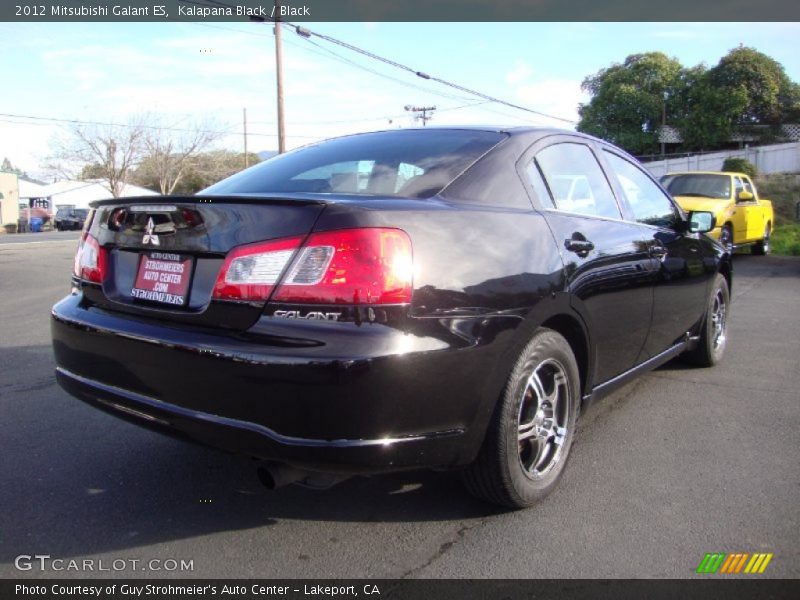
{"x": 659, "y": 252}
{"x": 579, "y": 246}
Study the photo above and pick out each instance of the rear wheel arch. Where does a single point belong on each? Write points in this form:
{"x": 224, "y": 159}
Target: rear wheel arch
{"x": 527, "y": 443}
{"x": 559, "y": 319}
{"x": 573, "y": 331}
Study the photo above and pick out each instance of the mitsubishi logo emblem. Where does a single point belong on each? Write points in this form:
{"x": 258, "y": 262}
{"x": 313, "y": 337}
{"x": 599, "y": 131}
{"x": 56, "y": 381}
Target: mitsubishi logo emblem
{"x": 149, "y": 236}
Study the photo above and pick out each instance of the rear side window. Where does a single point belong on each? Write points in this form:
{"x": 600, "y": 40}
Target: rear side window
{"x": 738, "y": 186}
{"x": 649, "y": 204}
{"x": 413, "y": 164}
{"x": 575, "y": 180}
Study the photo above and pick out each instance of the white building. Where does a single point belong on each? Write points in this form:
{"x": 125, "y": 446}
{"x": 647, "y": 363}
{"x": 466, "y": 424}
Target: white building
{"x": 75, "y": 194}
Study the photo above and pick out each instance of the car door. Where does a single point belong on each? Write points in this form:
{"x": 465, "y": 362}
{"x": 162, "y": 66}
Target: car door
{"x": 684, "y": 261}
{"x": 607, "y": 264}
{"x": 754, "y": 213}
{"x": 740, "y": 213}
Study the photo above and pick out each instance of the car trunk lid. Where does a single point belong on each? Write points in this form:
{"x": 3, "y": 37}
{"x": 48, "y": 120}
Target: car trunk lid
{"x": 164, "y": 254}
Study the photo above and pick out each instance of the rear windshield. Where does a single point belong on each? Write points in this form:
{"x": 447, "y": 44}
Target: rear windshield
{"x": 411, "y": 164}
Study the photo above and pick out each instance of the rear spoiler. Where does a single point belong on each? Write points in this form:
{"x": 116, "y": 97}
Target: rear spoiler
{"x": 238, "y": 199}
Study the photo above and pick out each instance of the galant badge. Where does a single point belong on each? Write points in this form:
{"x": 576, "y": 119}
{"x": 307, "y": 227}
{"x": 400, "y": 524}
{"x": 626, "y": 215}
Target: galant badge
{"x": 149, "y": 236}
{"x": 311, "y": 316}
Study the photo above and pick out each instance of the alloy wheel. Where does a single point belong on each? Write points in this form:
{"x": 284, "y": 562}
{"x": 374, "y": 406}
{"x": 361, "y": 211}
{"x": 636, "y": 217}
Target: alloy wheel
{"x": 719, "y": 320}
{"x": 543, "y": 419}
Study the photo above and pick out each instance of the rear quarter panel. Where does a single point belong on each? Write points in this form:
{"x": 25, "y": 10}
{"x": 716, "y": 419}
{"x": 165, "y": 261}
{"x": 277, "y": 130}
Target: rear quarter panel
{"x": 484, "y": 279}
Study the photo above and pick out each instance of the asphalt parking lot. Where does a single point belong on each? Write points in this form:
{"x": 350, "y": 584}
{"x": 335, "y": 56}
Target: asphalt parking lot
{"x": 677, "y": 464}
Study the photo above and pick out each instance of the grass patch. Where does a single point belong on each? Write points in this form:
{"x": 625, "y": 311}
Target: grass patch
{"x": 786, "y": 239}
{"x": 784, "y": 191}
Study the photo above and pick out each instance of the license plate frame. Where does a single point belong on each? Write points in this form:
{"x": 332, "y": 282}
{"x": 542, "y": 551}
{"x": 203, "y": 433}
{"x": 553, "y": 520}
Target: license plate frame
{"x": 163, "y": 278}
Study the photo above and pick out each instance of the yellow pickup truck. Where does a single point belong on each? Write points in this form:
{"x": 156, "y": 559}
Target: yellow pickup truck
{"x": 742, "y": 218}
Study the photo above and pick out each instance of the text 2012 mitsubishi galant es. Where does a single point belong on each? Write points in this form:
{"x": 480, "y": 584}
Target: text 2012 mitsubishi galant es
{"x": 443, "y": 298}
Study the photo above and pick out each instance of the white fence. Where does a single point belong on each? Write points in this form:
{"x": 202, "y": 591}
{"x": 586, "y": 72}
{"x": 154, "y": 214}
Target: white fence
{"x": 777, "y": 158}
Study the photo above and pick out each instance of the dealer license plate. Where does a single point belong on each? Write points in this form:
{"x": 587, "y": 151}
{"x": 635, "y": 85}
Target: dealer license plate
{"x": 163, "y": 277}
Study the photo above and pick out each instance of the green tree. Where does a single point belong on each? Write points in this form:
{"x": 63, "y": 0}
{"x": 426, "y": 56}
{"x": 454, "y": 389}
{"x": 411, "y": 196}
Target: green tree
{"x": 705, "y": 115}
{"x": 740, "y": 165}
{"x": 628, "y": 99}
{"x": 708, "y": 106}
{"x": 771, "y": 98}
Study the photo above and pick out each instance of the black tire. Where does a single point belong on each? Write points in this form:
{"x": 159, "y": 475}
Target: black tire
{"x": 714, "y": 329}
{"x": 726, "y": 237}
{"x": 761, "y": 248}
{"x": 505, "y": 471}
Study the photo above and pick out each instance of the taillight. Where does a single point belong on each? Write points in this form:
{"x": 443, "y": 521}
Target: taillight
{"x": 250, "y": 272}
{"x": 350, "y": 266}
{"x": 90, "y": 260}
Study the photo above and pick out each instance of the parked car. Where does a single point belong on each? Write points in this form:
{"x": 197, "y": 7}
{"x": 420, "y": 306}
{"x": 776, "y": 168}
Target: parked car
{"x": 70, "y": 218}
{"x": 458, "y": 318}
{"x": 742, "y": 217}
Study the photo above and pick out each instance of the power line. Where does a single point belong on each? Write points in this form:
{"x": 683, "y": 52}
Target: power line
{"x": 407, "y": 84}
{"x": 44, "y": 120}
{"x": 331, "y": 55}
{"x": 364, "y": 120}
{"x": 108, "y": 124}
{"x": 306, "y": 33}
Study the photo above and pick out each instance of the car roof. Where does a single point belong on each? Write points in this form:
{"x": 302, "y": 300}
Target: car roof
{"x": 513, "y": 130}
{"x": 709, "y": 173}
{"x": 524, "y": 132}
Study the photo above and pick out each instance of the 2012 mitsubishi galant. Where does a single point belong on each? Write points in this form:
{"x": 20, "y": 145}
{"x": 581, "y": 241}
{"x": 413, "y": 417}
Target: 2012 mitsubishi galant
{"x": 444, "y": 298}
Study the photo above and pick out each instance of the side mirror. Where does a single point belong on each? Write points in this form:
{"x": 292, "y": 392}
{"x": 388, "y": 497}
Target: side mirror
{"x": 744, "y": 196}
{"x": 701, "y": 221}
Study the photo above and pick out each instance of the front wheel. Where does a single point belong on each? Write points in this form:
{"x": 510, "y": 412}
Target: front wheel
{"x": 761, "y": 248}
{"x": 714, "y": 330}
{"x": 531, "y": 433}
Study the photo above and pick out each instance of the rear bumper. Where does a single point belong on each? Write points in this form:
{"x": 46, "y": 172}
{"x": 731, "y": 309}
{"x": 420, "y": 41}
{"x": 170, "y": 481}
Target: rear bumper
{"x": 296, "y": 401}
{"x": 253, "y": 439}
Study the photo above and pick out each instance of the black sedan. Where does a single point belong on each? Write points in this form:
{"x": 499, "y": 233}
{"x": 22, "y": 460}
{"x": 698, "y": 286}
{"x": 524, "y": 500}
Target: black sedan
{"x": 433, "y": 298}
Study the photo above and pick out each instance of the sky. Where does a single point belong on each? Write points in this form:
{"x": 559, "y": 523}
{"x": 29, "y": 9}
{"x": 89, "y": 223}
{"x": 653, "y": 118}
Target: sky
{"x": 185, "y": 75}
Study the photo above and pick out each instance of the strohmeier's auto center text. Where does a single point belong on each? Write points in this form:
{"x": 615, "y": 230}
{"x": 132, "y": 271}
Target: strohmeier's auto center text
{"x": 194, "y": 590}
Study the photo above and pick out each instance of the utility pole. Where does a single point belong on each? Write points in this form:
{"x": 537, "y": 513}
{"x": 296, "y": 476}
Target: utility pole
{"x": 279, "y": 75}
{"x": 244, "y": 123}
{"x": 422, "y": 112}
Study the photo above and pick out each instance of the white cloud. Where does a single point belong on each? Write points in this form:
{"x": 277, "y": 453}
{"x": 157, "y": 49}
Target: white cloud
{"x": 557, "y": 97}
{"x": 519, "y": 74}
